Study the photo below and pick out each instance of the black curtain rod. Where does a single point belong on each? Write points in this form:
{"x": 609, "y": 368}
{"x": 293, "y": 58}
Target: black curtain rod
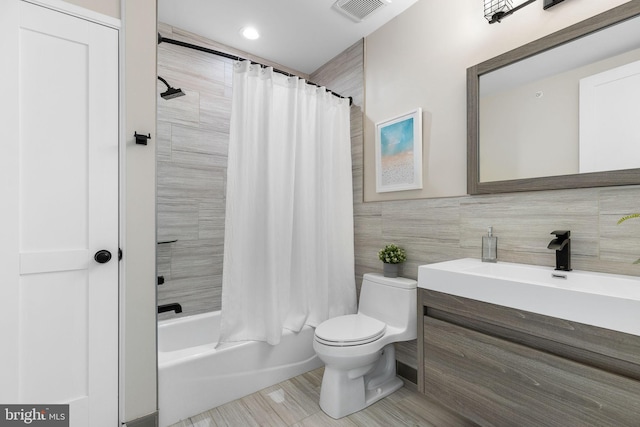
{"x": 238, "y": 58}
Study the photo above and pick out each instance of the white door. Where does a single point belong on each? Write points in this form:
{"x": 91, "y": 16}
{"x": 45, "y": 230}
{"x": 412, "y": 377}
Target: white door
{"x": 609, "y": 125}
{"x": 59, "y": 196}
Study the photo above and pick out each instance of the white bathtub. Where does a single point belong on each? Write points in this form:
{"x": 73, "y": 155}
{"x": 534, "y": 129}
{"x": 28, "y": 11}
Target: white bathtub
{"x": 194, "y": 376}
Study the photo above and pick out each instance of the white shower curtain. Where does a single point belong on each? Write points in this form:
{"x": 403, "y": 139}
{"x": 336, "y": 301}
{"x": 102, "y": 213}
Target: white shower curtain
{"x": 288, "y": 250}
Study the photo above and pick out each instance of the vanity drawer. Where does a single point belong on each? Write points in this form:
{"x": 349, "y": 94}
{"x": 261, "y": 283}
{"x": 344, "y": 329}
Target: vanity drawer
{"x": 493, "y": 381}
{"x": 603, "y": 348}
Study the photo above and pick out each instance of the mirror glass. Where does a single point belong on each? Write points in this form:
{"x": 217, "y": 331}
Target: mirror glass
{"x": 566, "y": 109}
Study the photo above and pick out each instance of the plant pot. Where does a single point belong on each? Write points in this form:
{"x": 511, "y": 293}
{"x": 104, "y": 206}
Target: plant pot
{"x": 391, "y": 270}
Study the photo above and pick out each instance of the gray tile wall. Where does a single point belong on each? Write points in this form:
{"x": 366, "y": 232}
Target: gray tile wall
{"x": 192, "y": 159}
{"x": 192, "y": 141}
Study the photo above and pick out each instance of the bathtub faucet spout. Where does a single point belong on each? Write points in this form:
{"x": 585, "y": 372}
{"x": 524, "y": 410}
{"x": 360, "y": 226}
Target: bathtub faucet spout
{"x": 170, "y": 307}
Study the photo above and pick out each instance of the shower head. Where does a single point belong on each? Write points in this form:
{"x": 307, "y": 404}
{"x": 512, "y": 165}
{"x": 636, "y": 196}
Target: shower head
{"x": 171, "y": 92}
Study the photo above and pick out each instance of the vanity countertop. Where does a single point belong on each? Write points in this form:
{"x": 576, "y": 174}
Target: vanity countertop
{"x": 605, "y": 300}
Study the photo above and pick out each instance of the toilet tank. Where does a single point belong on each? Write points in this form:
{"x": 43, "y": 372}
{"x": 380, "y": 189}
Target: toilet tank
{"x": 390, "y": 300}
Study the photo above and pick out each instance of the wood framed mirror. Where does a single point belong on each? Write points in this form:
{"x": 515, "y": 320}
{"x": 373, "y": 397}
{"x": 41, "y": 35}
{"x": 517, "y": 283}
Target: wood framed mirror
{"x": 526, "y": 92}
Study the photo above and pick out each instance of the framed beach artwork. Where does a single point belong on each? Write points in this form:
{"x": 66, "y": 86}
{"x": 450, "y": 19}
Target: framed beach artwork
{"x": 399, "y": 153}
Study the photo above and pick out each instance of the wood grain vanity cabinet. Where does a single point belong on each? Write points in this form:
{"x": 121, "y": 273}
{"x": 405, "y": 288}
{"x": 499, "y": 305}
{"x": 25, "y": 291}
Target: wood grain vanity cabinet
{"x": 500, "y": 366}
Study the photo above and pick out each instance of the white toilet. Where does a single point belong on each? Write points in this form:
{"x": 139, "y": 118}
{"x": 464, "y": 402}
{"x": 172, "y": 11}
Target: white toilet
{"x": 357, "y": 349}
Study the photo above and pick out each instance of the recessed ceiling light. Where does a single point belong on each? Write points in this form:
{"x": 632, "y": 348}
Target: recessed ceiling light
{"x": 250, "y": 33}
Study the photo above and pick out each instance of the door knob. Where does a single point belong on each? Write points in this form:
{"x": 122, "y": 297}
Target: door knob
{"x": 102, "y": 256}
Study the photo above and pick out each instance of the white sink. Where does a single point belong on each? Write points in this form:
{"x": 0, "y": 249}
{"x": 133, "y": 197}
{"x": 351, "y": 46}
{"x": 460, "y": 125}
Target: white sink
{"x": 606, "y": 300}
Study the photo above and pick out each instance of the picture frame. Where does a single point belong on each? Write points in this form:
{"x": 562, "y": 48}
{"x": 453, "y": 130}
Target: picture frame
{"x": 399, "y": 153}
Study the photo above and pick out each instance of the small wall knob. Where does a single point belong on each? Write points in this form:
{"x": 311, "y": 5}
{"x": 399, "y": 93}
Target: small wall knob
{"x": 102, "y": 256}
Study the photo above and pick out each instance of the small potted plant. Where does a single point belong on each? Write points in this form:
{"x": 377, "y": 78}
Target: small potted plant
{"x": 392, "y": 257}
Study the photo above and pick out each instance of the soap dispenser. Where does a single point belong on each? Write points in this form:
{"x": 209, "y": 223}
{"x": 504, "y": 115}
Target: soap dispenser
{"x": 489, "y": 247}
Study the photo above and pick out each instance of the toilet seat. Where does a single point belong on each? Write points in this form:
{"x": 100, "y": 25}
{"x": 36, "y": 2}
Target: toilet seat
{"x": 350, "y": 330}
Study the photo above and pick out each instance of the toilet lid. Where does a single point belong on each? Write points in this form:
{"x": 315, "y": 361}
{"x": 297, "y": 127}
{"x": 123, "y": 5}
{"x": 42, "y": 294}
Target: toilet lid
{"x": 352, "y": 329}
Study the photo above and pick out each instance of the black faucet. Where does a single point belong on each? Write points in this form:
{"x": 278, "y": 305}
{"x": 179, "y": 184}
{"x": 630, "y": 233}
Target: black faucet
{"x": 170, "y": 307}
{"x": 562, "y": 245}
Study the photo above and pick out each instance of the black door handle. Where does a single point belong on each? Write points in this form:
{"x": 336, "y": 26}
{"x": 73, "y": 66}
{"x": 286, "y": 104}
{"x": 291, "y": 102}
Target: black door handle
{"x": 102, "y": 256}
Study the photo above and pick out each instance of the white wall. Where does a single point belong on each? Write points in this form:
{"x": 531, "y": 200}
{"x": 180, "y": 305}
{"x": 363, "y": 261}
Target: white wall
{"x": 420, "y": 59}
{"x": 139, "y": 366}
{"x": 106, "y": 7}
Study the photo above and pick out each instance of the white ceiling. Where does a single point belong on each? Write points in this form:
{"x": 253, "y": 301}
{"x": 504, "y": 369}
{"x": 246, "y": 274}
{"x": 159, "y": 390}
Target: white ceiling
{"x": 299, "y": 34}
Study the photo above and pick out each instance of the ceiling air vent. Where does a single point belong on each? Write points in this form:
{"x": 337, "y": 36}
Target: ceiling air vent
{"x": 358, "y": 10}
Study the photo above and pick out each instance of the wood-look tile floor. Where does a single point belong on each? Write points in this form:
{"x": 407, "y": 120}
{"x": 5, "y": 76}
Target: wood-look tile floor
{"x": 295, "y": 403}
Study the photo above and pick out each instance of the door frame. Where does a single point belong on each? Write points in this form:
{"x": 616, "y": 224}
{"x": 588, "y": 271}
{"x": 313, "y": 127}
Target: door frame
{"x": 79, "y": 12}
